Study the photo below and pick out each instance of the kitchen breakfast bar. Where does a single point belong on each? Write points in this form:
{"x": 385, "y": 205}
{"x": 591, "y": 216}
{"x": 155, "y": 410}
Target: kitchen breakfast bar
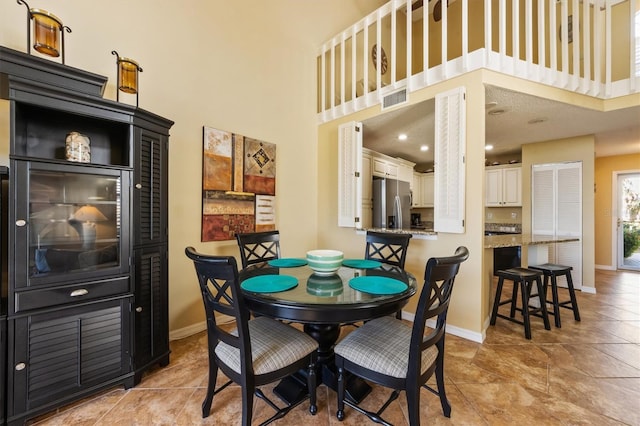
{"x": 536, "y": 250}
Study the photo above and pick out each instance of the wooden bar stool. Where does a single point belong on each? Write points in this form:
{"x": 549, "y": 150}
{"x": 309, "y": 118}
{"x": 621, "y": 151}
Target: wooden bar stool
{"x": 523, "y": 279}
{"x": 553, "y": 271}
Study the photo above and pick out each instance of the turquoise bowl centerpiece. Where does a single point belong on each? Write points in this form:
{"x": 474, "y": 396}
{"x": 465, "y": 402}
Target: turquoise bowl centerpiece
{"x": 324, "y": 262}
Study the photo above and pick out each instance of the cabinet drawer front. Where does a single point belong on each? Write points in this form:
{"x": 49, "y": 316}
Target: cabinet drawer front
{"x": 35, "y": 299}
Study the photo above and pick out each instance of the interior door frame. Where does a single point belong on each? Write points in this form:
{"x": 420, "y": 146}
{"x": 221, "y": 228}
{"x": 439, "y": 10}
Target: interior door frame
{"x": 615, "y": 214}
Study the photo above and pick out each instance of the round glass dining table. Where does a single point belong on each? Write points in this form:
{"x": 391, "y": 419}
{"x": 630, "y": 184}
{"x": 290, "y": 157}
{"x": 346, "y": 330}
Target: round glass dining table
{"x": 322, "y": 303}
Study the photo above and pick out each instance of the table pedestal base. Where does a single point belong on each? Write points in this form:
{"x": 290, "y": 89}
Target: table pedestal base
{"x": 293, "y": 388}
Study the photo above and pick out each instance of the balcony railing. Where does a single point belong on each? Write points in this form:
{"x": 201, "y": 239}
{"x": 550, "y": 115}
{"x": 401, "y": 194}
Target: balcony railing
{"x": 585, "y": 46}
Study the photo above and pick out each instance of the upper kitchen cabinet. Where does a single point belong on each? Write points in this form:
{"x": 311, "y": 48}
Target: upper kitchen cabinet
{"x": 427, "y": 188}
{"x": 393, "y": 168}
{"x": 503, "y": 186}
{"x": 416, "y": 190}
{"x": 384, "y": 168}
{"x": 422, "y": 190}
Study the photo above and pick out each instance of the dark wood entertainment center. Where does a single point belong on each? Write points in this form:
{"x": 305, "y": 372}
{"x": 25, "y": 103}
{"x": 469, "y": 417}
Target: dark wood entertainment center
{"x": 84, "y": 302}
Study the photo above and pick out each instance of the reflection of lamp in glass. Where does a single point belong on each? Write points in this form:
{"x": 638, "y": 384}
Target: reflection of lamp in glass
{"x": 48, "y": 32}
{"x": 127, "y": 76}
{"x": 84, "y": 221}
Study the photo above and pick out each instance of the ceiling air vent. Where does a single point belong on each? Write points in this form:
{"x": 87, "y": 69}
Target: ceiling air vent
{"x": 395, "y": 98}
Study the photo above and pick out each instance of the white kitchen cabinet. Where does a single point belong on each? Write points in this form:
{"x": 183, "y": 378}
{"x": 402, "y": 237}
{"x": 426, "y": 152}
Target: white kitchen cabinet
{"x": 427, "y": 189}
{"x": 405, "y": 171}
{"x": 503, "y": 186}
{"x": 392, "y": 168}
{"x": 384, "y": 168}
{"x": 416, "y": 190}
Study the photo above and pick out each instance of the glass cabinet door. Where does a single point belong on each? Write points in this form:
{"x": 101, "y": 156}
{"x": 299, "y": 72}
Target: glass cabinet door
{"x": 74, "y": 221}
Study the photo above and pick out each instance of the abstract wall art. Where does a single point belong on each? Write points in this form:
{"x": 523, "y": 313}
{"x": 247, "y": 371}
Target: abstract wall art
{"x": 238, "y": 185}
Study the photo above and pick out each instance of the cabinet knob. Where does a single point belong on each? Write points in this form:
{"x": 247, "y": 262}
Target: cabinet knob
{"x": 79, "y": 292}
{"x": 21, "y": 222}
{"x": 139, "y": 309}
{"x": 20, "y": 366}
{"x": 138, "y": 186}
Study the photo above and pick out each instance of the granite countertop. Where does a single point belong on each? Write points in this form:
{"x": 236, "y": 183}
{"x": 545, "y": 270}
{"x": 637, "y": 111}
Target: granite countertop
{"x": 515, "y": 240}
{"x": 404, "y": 231}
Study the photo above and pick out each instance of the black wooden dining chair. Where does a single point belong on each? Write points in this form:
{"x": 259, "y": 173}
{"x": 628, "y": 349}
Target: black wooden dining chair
{"x": 391, "y": 353}
{"x": 259, "y": 351}
{"x": 258, "y": 247}
{"x": 387, "y": 247}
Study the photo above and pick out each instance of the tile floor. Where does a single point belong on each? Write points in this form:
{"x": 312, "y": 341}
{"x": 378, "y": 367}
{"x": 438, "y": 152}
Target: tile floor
{"x": 587, "y": 372}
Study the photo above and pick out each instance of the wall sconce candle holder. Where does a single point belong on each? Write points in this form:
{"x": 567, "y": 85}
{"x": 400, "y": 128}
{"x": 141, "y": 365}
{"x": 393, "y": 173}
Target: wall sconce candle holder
{"x": 48, "y": 32}
{"x": 127, "y": 76}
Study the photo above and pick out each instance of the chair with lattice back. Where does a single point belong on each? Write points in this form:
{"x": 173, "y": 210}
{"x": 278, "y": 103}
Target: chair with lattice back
{"x": 258, "y": 247}
{"x": 399, "y": 356}
{"x": 387, "y": 247}
{"x": 259, "y": 351}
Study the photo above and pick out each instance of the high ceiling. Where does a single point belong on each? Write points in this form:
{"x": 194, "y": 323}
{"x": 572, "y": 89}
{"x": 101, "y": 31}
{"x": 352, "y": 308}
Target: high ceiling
{"x": 525, "y": 119}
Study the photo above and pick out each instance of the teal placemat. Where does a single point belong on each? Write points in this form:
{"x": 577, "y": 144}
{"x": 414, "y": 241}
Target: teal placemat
{"x": 269, "y": 283}
{"x": 377, "y": 285}
{"x": 287, "y": 262}
{"x": 361, "y": 263}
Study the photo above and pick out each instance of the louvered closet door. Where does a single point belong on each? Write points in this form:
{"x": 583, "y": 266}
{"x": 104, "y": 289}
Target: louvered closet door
{"x": 569, "y": 219}
{"x": 61, "y": 352}
{"x": 557, "y": 211}
{"x": 150, "y": 188}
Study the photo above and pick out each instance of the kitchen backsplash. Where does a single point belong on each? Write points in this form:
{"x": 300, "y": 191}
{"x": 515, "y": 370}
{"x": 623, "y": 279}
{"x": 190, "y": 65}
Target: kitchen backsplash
{"x": 503, "y": 227}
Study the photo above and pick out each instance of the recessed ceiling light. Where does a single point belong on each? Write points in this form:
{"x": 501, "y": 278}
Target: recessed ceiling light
{"x": 537, "y": 120}
{"x": 402, "y": 137}
{"x": 424, "y": 148}
{"x": 488, "y": 147}
{"x": 498, "y": 111}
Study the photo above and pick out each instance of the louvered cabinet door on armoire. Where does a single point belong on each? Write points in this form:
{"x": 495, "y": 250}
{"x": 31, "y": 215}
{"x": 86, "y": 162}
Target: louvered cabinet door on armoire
{"x": 150, "y": 262}
{"x": 57, "y": 353}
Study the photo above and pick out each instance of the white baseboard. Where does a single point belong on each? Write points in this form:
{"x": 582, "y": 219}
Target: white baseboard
{"x": 451, "y": 329}
{"x": 187, "y": 331}
{"x": 591, "y": 290}
{"x": 605, "y": 267}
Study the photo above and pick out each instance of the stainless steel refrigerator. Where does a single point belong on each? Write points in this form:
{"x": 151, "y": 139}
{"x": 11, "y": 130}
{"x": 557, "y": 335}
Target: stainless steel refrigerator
{"x": 391, "y": 203}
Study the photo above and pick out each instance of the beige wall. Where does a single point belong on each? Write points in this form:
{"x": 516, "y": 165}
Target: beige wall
{"x": 557, "y": 151}
{"x": 605, "y": 206}
{"x": 246, "y": 67}
{"x": 466, "y": 311}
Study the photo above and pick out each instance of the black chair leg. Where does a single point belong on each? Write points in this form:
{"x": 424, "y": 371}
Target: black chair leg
{"x": 572, "y": 295}
{"x": 311, "y": 384}
{"x": 444, "y": 402}
{"x": 413, "y": 405}
{"x": 543, "y": 304}
{"x": 496, "y": 302}
{"x": 340, "y": 412}
{"x": 514, "y": 300}
{"x": 525, "y": 306}
{"x": 556, "y": 303}
{"x": 247, "y": 404}
{"x": 211, "y": 387}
